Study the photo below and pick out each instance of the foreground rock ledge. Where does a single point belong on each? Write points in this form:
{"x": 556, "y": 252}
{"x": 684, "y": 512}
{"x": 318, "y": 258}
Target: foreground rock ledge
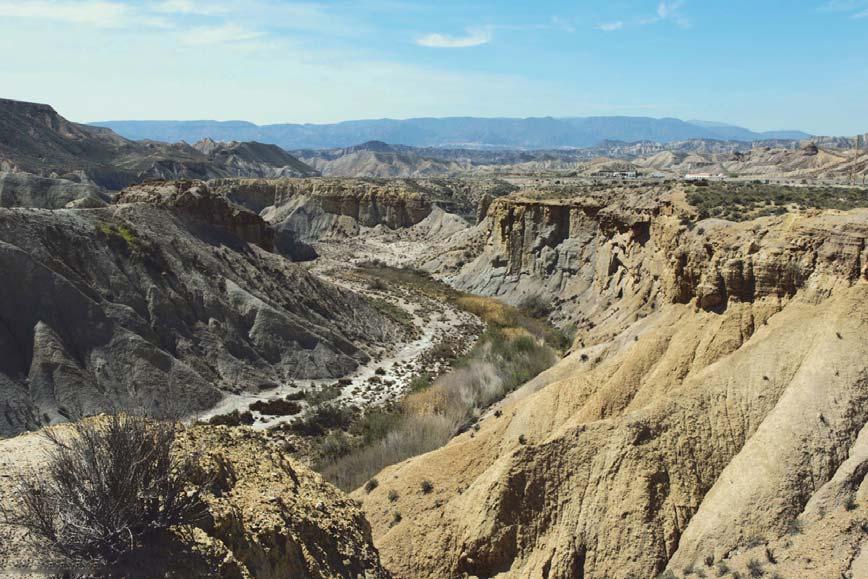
{"x": 271, "y": 517}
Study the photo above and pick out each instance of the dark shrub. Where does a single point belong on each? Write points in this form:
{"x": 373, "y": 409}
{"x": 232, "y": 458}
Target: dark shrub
{"x": 277, "y": 407}
{"x": 233, "y": 418}
{"x": 110, "y": 486}
{"x": 371, "y": 485}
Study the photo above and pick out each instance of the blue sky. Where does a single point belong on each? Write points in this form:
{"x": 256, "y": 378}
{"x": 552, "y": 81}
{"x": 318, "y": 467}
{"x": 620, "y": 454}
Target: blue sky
{"x": 765, "y": 64}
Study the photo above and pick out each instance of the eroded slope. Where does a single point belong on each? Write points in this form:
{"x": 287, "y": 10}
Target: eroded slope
{"x": 160, "y": 304}
{"x": 714, "y": 396}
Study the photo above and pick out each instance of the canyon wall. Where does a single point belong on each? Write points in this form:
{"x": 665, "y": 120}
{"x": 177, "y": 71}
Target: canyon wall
{"x": 712, "y": 411}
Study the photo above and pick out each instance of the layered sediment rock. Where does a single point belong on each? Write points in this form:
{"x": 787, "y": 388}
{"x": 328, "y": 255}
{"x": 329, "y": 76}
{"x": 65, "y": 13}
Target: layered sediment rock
{"x": 194, "y": 199}
{"x": 716, "y": 399}
{"x": 586, "y": 254}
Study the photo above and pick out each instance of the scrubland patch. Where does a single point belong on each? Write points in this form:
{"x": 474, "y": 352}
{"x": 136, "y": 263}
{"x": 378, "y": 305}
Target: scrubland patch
{"x": 514, "y": 348}
{"x": 744, "y": 201}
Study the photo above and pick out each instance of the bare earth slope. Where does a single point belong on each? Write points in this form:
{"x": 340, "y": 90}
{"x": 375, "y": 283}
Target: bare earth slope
{"x": 711, "y": 409}
{"x": 165, "y": 301}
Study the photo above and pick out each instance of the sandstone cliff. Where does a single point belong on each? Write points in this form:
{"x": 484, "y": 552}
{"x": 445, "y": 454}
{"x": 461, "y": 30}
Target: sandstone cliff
{"x": 709, "y": 414}
{"x": 268, "y": 516}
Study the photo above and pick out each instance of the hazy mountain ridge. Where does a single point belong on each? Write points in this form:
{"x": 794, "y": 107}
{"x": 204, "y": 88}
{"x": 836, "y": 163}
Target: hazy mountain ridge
{"x": 35, "y": 139}
{"x": 527, "y": 133}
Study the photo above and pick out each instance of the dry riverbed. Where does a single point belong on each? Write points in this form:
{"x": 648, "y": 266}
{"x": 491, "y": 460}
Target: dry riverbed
{"x": 439, "y": 332}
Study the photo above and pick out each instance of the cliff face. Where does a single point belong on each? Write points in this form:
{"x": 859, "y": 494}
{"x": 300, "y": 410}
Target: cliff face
{"x": 267, "y": 516}
{"x": 310, "y": 209}
{"x": 588, "y": 254}
{"x": 370, "y": 203}
{"x": 715, "y": 400}
{"x": 194, "y": 199}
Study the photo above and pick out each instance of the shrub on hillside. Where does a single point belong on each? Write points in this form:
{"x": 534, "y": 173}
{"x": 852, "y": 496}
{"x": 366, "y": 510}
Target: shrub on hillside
{"x": 109, "y": 487}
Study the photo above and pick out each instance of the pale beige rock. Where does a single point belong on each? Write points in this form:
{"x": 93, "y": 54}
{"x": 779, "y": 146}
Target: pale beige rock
{"x": 716, "y": 397}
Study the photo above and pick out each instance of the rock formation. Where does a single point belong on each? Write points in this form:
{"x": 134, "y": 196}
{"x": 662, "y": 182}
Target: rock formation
{"x": 27, "y": 190}
{"x": 267, "y": 516}
{"x": 195, "y": 200}
{"x": 37, "y": 140}
{"x": 715, "y": 400}
{"x": 151, "y": 305}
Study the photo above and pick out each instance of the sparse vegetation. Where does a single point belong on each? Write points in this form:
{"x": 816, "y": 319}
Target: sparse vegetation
{"x": 755, "y": 568}
{"x": 110, "y": 485}
{"x": 234, "y": 418}
{"x": 721, "y": 569}
{"x": 740, "y": 201}
{"x": 536, "y": 306}
{"x": 426, "y": 487}
{"x": 393, "y": 495}
{"x": 371, "y": 485}
{"x": 324, "y": 418}
{"x": 277, "y": 407}
{"x": 513, "y": 349}
{"x": 119, "y": 231}
{"x": 324, "y": 394}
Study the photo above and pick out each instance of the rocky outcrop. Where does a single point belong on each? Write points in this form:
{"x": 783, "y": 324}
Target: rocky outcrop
{"x": 641, "y": 251}
{"x": 26, "y": 190}
{"x": 305, "y": 210}
{"x": 267, "y": 516}
{"x": 713, "y": 403}
{"x": 194, "y": 199}
{"x": 138, "y": 306}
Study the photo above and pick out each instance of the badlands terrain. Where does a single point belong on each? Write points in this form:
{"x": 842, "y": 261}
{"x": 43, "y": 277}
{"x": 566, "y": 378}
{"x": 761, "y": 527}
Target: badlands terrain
{"x": 388, "y": 361}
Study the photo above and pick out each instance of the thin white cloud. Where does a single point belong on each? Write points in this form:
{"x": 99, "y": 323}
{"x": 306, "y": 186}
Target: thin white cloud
{"x": 224, "y": 34}
{"x": 611, "y": 26}
{"x": 102, "y": 14}
{"x": 863, "y": 14}
{"x": 188, "y": 7}
{"x": 669, "y": 10}
{"x": 474, "y": 37}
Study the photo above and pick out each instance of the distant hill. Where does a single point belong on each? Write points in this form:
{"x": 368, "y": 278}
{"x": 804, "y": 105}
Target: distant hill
{"x": 735, "y": 133}
{"x": 35, "y": 139}
{"x": 455, "y": 132}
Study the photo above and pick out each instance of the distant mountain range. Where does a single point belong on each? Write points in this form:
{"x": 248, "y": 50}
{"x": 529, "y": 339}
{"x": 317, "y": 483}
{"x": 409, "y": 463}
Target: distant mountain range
{"x": 454, "y": 132}
{"x": 34, "y": 139}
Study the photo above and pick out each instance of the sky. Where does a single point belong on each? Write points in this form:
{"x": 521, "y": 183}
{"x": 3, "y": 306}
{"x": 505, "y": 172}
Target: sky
{"x": 763, "y": 64}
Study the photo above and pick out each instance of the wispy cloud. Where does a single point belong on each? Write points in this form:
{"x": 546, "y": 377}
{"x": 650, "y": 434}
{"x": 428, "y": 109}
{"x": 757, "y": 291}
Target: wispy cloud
{"x": 224, "y": 34}
{"x": 189, "y": 7}
{"x": 669, "y": 10}
{"x": 102, "y": 14}
{"x": 611, "y": 26}
{"x": 473, "y": 37}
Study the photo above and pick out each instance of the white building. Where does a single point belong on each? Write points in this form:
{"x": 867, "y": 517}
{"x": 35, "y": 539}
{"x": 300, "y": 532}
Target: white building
{"x": 704, "y": 177}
